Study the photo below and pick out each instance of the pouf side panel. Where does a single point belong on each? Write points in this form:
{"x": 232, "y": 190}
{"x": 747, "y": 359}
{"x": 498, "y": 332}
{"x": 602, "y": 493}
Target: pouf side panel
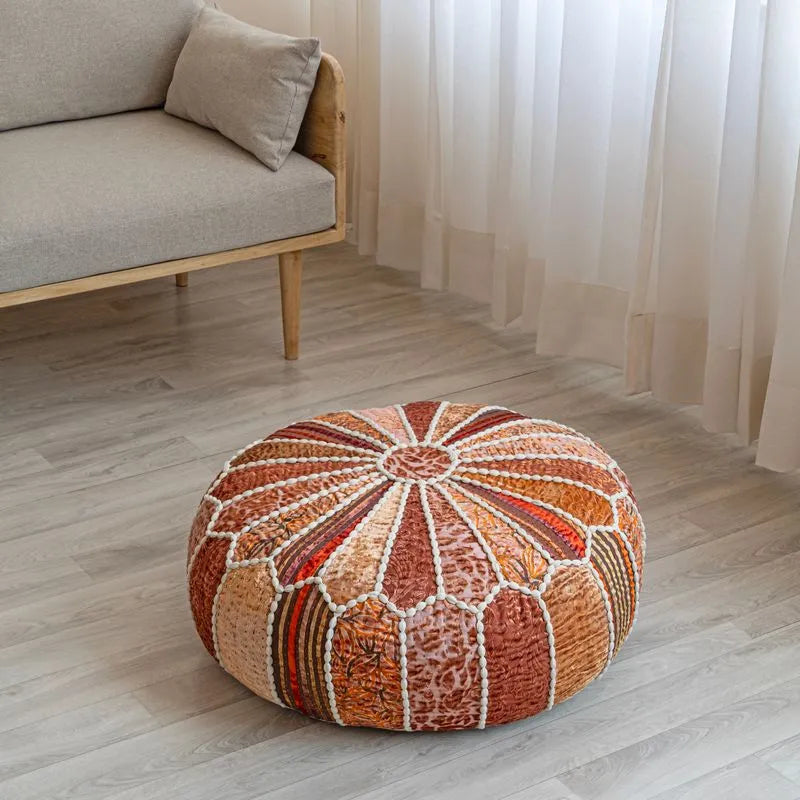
{"x": 208, "y": 568}
{"x": 247, "y": 478}
{"x": 453, "y": 414}
{"x": 583, "y": 504}
{"x": 300, "y": 625}
{"x": 389, "y": 420}
{"x": 246, "y": 509}
{"x": 579, "y": 471}
{"x": 365, "y": 667}
{"x": 199, "y": 527}
{"x": 303, "y": 557}
{"x": 611, "y": 559}
{"x": 346, "y": 420}
{"x": 318, "y": 431}
{"x": 551, "y": 530}
{"x": 419, "y": 416}
{"x": 516, "y": 426}
{"x": 271, "y": 449}
{"x": 489, "y": 420}
{"x": 551, "y": 444}
{"x": 519, "y": 560}
{"x": 580, "y": 629}
{"x": 517, "y": 657}
{"x": 354, "y": 569}
{"x": 241, "y": 623}
{"x": 260, "y": 541}
{"x": 410, "y": 576}
{"x": 443, "y": 667}
{"x": 466, "y": 570}
{"x": 630, "y": 524}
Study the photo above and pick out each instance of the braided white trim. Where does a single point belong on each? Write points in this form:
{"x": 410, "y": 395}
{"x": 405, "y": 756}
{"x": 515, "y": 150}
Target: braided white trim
{"x": 501, "y": 473}
{"x": 374, "y": 511}
{"x": 435, "y": 421}
{"x": 551, "y": 646}
{"x": 468, "y": 420}
{"x": 431, "y": 524}
{"x": 401, "y": 412}
{"x": 490, "y": 556}
{"x": 484, "y": 671}
{"x": 401, "y": 636}
{"x": 374, "y": 425}
{"x": 524, "y": 421}
{"x": 498, "y": 514}
{"x": 387, "y": 550}
{"x": 519, "y": 437}
{"x": 349, "y": 432}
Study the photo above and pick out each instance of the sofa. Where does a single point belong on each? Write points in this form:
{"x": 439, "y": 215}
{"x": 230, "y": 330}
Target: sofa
{"x": 99, "y": 186}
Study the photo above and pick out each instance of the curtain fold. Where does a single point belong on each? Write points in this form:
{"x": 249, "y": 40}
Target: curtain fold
{"x": 618, "y": 178}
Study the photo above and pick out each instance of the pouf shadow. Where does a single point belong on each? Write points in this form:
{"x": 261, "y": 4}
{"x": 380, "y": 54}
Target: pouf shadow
{"x": 431, "y": 566}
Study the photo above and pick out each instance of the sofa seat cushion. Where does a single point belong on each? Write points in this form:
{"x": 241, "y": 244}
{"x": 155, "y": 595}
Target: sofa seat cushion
{"x": 90, "y": 196}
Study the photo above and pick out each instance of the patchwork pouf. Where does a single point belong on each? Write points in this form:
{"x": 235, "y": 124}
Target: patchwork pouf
{"x": 430, "y": 566}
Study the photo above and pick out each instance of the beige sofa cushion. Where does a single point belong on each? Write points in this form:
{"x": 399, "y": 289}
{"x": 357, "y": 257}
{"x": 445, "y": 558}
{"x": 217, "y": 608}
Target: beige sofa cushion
{"x": 90, "y": 196}
{"x": 70, "y": 59}
{"x": 249, "y": 84}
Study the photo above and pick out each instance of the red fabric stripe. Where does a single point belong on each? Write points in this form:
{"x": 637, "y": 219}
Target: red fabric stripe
{"x": 553, "y": 521}
{"x": 291, "y": 648}
{"x": 316, "y": 560}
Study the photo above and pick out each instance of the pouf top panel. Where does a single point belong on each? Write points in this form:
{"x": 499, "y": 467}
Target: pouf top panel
{"x": 426, "y": 566}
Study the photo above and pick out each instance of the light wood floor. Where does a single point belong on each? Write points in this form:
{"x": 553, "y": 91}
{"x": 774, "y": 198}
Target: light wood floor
{"x": 117, "y": 409}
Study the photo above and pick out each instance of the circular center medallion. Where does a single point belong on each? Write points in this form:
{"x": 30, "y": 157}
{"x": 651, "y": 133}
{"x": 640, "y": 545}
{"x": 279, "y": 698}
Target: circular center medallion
{"x": 418, "y": 462}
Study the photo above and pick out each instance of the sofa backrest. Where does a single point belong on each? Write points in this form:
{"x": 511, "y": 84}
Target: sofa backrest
{"x": 70, "y": 59}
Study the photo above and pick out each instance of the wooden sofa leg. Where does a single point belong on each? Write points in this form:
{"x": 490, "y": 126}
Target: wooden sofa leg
{"x": 182, "y": 279}
{"x": 291, "y": 272}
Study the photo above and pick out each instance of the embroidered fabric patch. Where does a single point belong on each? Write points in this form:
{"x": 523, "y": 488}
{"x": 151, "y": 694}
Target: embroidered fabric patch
{"x": 427, "y": 566}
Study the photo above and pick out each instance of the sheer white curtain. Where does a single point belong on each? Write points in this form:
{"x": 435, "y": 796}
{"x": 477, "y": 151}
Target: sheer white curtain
{"x": 618, "y": 175}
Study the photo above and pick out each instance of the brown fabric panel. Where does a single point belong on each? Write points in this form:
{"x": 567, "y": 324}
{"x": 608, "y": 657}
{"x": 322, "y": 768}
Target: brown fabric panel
{"x": 518, "y": 559}
{"x": 241, "y": 480}
{"x": 389, "y": 420}
{"x": 523, "y": 425}
{"x": 629, "y": 524}
{"x": 201, "y": 520}
{"x": 243, "y": 511}
{"x": 485, "y": 422}
{"x": 207, "y": 571}
{"x": 346, "y": 420}
{"x": 453, "y": 414}
{"x": 561, "y": 445}
{"x": 586, "y": 506}
{"x": 444, "y": 680}
{"x": 517, "y": 656}
{"x": 610, "y": 558}
{"x": 419, "y": 416}
{"x": 310, "y": 653}
{"x": 261, "y": 541}
{"x": 270, "y": 449}
{"x": 573, "y": 470}
{"x": 242, "y": 614}
{"x": 312, "y": 430}
{"x": 466, "y": 570}
{"x": 365, "y": 667}
{"x": 354, "y": 569}
{"x": 409, "y": 575}
{"x": 308, "y": 553}
{"x": 580, "y": 629}
{"x": 280, "y": 647}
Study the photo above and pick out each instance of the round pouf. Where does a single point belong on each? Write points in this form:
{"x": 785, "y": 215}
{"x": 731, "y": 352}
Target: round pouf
{"x": 430, "y": 566}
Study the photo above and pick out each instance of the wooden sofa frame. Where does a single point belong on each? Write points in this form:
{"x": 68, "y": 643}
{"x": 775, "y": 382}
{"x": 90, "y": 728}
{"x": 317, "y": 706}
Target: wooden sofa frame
{"x": 322, "y": 139}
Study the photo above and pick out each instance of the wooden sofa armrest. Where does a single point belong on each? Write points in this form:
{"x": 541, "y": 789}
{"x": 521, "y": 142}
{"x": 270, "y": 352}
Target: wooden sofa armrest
{"x": 322, "y": 134}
